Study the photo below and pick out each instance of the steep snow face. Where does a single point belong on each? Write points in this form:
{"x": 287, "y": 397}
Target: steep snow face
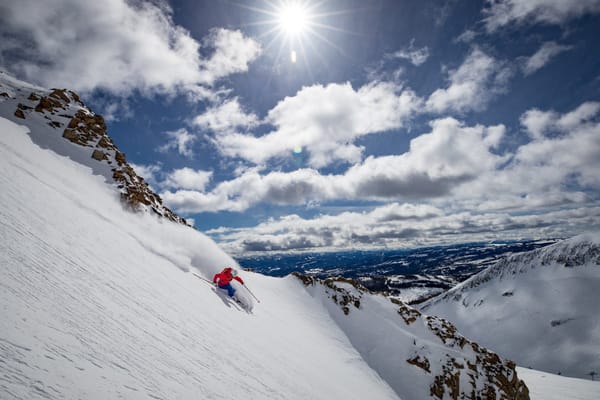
{"x": 97, "y": 304}
{"x": 413, "y": 351}
{"x": 539, "y": 308}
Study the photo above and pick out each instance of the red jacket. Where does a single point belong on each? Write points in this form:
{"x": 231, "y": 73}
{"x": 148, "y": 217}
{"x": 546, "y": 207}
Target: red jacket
{"x": 225, "y": 277}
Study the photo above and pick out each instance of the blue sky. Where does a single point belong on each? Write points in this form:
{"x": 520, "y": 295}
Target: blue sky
{"x": 392, "y": 124}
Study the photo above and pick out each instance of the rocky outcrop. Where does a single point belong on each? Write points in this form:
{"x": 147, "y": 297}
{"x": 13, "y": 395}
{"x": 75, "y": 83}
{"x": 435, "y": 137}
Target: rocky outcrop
{"x": 431, "y": 348}
{"x": 82, "y": 127}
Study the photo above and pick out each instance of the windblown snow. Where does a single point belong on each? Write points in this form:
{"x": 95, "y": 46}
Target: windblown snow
{"x": 100, "y": 303}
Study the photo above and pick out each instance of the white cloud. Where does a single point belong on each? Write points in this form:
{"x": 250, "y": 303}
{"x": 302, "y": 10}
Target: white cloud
{"x": 187, "y": 178}
{"x": 537, "y": 123}
{"x": 233, "y": 52}
{"x": 467, "y": 36}
{"x": 116, "y": 45}
{"x": 548, "y": 51}
{"x": 226, "y": 118}
{"x": 557, "y": 168}
{"x": 566, "y": 147}
{"x": 472, "y": 85}
{"x": 325, "y": 121}
{"x": 180, "y": 140}
{"x": 450, "y": 155}
{"x": 540, "y": 189}
{"x": 416, "y": 56}
{"x": 500, "y": 13}
{"x": 427, "y": 226}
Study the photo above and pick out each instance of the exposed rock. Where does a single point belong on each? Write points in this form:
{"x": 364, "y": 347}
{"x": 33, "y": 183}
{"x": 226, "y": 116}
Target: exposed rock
{"x": 422, "y": 363}
{"x": 85, "y": 128}
{"x": 306, "y": 280}
{"x": 48, "y": 104}
{"x": 99, "y": 155}
{"x": 487, "y": 366}
{"x": 408, "y": 314}
{"x": 458, "y": 368}
{"x": 71, "y": 135}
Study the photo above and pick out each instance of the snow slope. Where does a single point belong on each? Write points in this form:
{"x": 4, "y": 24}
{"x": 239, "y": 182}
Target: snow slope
{"x": 538, "y": 308}
{"x": 98, "y": 303}
{"x": 545, "y": 386}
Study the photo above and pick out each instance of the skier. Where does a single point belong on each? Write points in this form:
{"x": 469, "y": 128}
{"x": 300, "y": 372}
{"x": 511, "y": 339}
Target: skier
{"x": 223, "y": 280}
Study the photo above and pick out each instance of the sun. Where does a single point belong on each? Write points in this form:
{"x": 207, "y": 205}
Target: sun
{"x": 293, "y": 18}
{"x": 298, "y": 28}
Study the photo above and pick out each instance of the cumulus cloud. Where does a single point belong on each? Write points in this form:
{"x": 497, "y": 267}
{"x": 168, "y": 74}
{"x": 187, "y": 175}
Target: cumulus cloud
{"x": 540, "y": 58}
{"x": 450, "y": 155}
{"x": 187, "y": 178}
{"x": 500, "y": 13}
{"x": 226, "y": 118}
{"x": 180, "y": 140}
{"x": 232, "y": 53}
{"x": 323, "y": 121}
{"x": 558, "y": 167}
{"x": 566, "y": 147}
{"x": 450, "y": 169}
{"x": 472, "y": 85}
{"x": 116, "y": 45}
{"x": 538, "y": 123}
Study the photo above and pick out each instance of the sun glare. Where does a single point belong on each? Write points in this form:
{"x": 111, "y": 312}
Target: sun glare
{"x": 299, "y": 27}
{"x": 293, "y": 18}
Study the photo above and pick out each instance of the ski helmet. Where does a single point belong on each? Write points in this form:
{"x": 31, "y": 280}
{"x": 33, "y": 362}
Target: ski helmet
{"x": 233, "y": 272}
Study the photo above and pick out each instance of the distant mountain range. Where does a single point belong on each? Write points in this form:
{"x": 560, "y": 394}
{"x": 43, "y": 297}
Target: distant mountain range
{"x": 410, "y": 275}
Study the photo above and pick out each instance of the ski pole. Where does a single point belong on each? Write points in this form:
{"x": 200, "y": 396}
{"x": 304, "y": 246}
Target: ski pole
{"x": 204, "y": 279}
{"x": 249, "y": 291}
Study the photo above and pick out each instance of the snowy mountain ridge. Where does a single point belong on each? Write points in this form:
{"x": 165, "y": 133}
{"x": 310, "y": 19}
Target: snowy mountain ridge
{"x": 539, "y": 308}
{"x": 571, "y": 253}
{"x": 64, "y": 112}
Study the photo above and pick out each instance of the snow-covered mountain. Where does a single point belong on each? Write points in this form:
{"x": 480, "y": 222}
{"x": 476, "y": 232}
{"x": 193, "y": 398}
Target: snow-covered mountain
{"x": 98, "y": 302}
{"x": 538, "y": 308}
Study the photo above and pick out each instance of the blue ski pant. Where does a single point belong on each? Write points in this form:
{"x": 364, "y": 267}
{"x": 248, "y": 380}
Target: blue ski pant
{"x": 229, "y": 288}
